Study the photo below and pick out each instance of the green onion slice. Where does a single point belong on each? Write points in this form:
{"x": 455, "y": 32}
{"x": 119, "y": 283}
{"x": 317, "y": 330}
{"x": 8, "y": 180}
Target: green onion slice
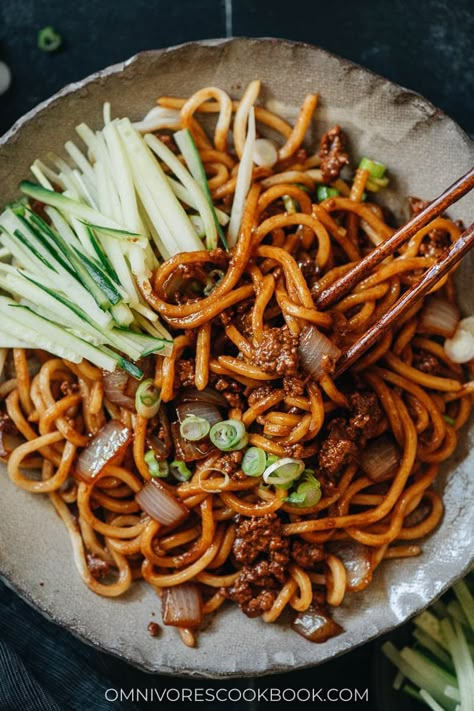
{"x": 156, "y": 469}
{"x": 307, "y": 493}
{"x": 290, "y": 204}
{"x": 147, "y": 399}
{"x": 376, "y": 169}
{"x": 271, "y": 459}
{"x": 194, "y": 428}
{"x": 450, "y": 420}
{"x": 180, "y": 471}
{"x": 254, "y": 462}
{"x": 229, "y": 435}
{"x": 283, "y": 472}
{"x": 49, "y": 40}
{"x": 212, "y": 280}
{"x": 324, "y": 192}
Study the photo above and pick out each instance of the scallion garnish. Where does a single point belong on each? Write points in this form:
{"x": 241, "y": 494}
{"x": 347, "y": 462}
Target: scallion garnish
{"x": 180, "y": 471}
{"x": 194, "y": 428}
{"x": 449, "y": 420}
{"x": 229, "y": 435}
{"x": 324, "y": 192}
{"x": 49, "y": 40}
{"x": 308, "y": 491}
{"x": 283, "y": 472}
{"x": 156, "y": 469}
{"x": 212, "y": 280}
{"x": 271, "y": 459}
{"x": 147, "y": 399}
{"x": 376, "y": 169}
{"x": 254, "y": 462}
{"x": 290, "y": 204}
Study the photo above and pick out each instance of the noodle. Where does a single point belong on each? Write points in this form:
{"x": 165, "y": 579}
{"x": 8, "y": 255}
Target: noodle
{"x": 238, "y": 351}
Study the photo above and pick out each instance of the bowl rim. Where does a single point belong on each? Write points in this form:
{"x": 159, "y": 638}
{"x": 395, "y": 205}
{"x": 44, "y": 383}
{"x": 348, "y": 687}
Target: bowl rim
{"x": 13, "y": 133}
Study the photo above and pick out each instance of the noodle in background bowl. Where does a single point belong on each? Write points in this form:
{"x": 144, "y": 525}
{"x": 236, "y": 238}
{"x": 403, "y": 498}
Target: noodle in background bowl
{"x": 424, "y": 151}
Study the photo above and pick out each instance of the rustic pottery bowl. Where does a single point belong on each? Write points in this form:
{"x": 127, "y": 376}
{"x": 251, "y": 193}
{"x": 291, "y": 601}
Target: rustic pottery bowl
{"x": 425, "y": 151}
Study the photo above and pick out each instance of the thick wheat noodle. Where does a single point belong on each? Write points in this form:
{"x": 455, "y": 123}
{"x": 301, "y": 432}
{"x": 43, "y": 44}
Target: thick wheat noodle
{"x": 271, "y": 278}
{"x": 300, "y": 128}
{"x": 242, "y": 113}
{"x": 225, "y": 113}
{"x": 336, "y": 580}
{"x": 303, "y": 597}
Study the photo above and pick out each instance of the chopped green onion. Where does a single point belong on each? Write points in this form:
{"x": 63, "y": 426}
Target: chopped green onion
{"x": 283, "y": 472}
{"x": 307, "y": 493}
{"x": 147, "y": 399}
{"x": 450, "y": 420}
{"x": 302, "y": 187}
{"x": 194, "y": 428}
{"x": 374, "y": 184}
{"x": 376, "y": 169}
{"x": 324, "y": 192}
{"x": 156, "y": 469}
{"x": 271, "y": 459}
{"x": 212, "y": 280}
{"x": 290, "y": 204}
{"x": 229, "y": 435}
{"x": 363, "y": 197}
{"x": 49, "y": 40}
{"x": 180, "y": 471}
{"x": 254, "y": 462}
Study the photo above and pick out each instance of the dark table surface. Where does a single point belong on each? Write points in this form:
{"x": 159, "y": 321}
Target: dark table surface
{"x": 425, "y": 45}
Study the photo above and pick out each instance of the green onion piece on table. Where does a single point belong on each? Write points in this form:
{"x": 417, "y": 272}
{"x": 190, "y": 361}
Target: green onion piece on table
{"x": 156, "y": 469}
{"x": 180, "y": 471}
{"x": 49, "y": 40}
{"x": 324, "y": 192}
{"x": 376, "y": 169}
{"x": 229, "y": 435}
{"x": 147, "y": 399}
{"x": 254, "y": 462}
{"x": 194, "y": 428}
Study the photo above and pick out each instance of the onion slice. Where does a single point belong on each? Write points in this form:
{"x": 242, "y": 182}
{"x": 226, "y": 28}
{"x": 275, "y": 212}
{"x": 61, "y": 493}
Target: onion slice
{"x": 460, "y": 348}
{"x": 159, "y": 502}
{"x": 380, "y": 459}
{"x": 209, "y": 395}
{"x": 315, "y": 625}
{"x": 181, "y": 606}
{"x": 439, "y": 317}
{"x": 265, "y": 152}
{"x": 115, "y": 386}
{"x": 317, "y": 353}
{"x": 358, "y": 562}
{"x": 204, "y": 410}
{"x": 189, "y": 451}
{"x": 107, "y": 445}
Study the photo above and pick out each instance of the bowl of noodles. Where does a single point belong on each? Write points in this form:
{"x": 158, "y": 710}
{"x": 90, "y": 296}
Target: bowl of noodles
{"x": 182, "y": 474}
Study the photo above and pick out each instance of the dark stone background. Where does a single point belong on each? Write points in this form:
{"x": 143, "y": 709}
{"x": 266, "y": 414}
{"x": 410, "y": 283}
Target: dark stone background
{"x": 426, "y": 45}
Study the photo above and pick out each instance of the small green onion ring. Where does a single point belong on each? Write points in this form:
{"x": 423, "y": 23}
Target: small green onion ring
{"x": 194, "y": 428}
{"x": 229, "y": 435}
{"x": 156, "y": 469}
{"x": 49, "y": 40}
{"x": 283, "y": 472}
{"x": 324, "y": 192}
{"x": 308, "y": 491}
{"x": 180, "y": 471}
{"x": 254, "y": 462}
{"x": 147, "y": 399}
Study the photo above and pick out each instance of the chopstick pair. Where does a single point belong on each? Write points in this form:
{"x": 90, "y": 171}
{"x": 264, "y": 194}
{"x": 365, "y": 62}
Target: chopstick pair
{"x": 430, "y": 278}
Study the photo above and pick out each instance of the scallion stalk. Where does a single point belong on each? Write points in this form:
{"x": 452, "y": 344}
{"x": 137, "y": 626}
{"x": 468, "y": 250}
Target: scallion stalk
{"x": 156, "y": 469}
{"x": 180, "y": 471}
{"x": 375, "y": 168}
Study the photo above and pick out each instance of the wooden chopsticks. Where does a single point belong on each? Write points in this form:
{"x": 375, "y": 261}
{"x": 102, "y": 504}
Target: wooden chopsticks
{"x": 407, "y": 300}
{"x": 362, "y": 269}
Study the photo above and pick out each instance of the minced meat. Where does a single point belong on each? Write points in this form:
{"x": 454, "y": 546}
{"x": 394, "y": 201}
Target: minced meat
{"x": 263, "y": 552}
{"x": 332, "y": 153}
{"x": 277, "y": 353}
{"x": 306, "y": 554}
{"x": 427, "y": 363}
{"x": 436, "y": 241}
{"x": 98, "y": 568}
{"x": 346, "y": 435}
